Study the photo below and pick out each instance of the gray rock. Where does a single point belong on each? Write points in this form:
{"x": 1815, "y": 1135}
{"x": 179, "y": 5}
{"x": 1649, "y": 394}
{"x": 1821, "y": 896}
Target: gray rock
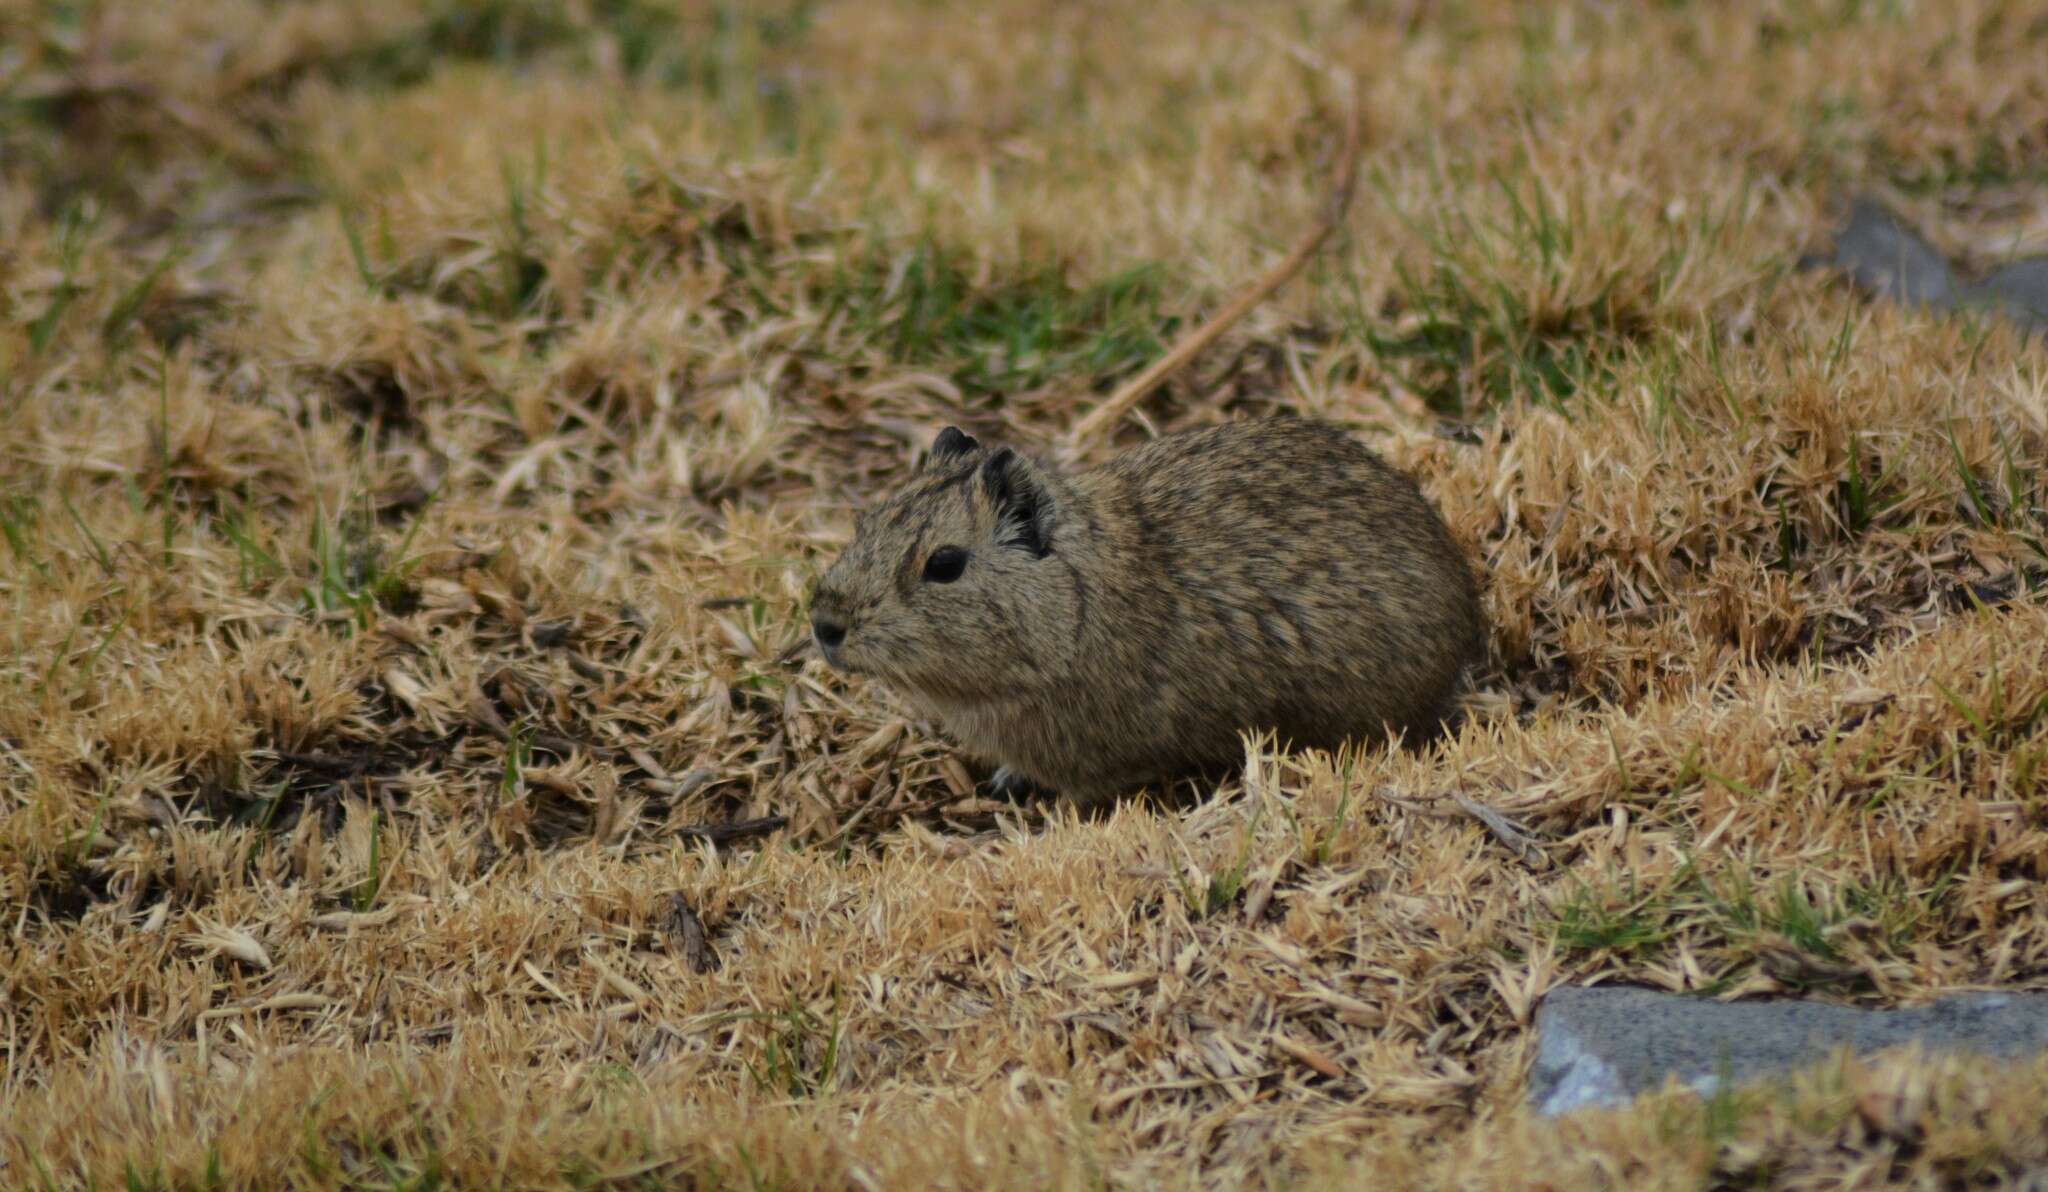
{"x": 2019, "y": 291}
{"x": 1886, "y": 258}
{"x": 1881, "y": 254}
{"x": 1602, "y": 1046}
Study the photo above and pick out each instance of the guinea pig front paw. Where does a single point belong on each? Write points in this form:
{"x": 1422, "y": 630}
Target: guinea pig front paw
{"x": 1006, "y": 783}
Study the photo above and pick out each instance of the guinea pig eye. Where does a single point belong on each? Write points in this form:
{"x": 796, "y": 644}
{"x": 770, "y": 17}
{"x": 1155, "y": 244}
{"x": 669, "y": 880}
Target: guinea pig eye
{"x": 945, "y": 565}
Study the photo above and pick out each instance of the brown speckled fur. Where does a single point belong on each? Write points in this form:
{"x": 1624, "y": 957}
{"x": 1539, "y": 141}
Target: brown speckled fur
{"x": 1264, "y": 575}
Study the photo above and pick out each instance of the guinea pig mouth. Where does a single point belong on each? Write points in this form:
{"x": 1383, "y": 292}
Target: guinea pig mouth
{"x": 837, "y": 656}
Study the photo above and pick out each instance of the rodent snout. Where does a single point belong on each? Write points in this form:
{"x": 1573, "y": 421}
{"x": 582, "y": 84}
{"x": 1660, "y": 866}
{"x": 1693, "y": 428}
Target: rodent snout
{"x": 828, "y": 631}
{"x": 830, "y": 621}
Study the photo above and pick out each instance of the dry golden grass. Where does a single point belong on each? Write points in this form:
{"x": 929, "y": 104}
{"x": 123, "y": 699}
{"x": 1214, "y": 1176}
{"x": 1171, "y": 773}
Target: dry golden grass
{"x": 421, "y": 423}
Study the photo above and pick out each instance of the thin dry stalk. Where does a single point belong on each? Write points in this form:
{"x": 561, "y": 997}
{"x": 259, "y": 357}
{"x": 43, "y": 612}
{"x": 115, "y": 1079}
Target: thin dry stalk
{"x": 1343, "y": 181}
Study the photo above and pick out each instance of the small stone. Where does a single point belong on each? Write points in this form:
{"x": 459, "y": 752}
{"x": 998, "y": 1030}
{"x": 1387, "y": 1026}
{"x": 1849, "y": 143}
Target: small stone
{"x": 1884, "y": 256}
{"x": 2019, "y": 291}
{"x": 1603, "y": 1046}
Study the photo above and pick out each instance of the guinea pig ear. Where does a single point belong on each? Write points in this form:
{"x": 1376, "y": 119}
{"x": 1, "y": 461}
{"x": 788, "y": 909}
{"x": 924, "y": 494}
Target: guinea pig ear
{"x": 951, "y": 444}
{"x": 1024, "y": 508}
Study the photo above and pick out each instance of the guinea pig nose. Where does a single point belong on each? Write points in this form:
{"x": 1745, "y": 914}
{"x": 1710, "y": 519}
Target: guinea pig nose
{"x": 828, "y": 631}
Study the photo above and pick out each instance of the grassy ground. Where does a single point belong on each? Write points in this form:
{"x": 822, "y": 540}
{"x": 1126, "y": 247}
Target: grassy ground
{"x": 421, "y": 422}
